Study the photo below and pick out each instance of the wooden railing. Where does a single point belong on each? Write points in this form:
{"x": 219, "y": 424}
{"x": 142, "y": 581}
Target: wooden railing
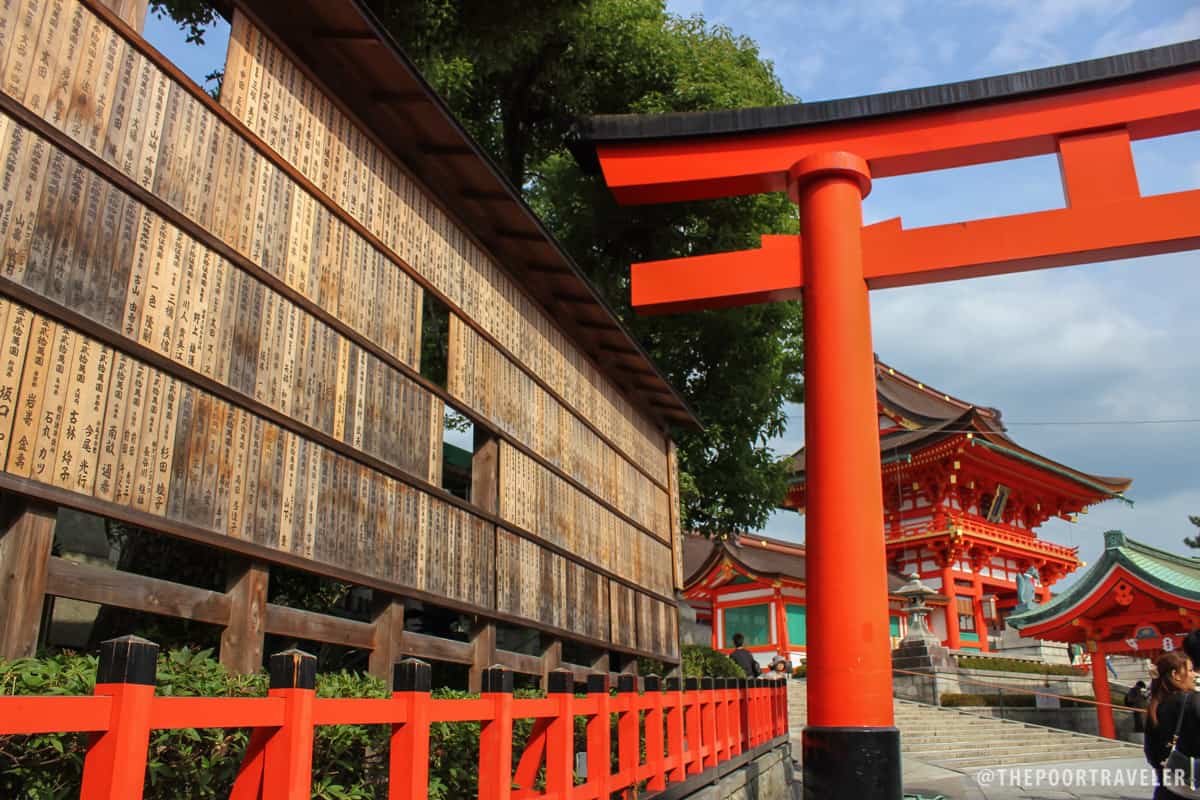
{"x": 671, "y": 735}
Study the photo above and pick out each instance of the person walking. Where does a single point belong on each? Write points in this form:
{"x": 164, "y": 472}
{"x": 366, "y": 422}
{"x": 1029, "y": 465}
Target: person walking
{"x": 1170, "y": 697}
{"x": 1137, "y": 697}
{"x": 742, "y": 657}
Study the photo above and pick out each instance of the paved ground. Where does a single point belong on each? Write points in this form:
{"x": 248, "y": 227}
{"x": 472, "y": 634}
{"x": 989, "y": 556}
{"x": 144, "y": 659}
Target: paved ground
{"x": 1112, "y": 779}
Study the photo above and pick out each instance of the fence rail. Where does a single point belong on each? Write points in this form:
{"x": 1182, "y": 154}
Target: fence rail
{"x": 668, "y": 733}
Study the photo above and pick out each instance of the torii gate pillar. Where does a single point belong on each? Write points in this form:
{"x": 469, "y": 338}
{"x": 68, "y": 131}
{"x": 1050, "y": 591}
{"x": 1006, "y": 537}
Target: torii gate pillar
{"x": 851, "y": 748}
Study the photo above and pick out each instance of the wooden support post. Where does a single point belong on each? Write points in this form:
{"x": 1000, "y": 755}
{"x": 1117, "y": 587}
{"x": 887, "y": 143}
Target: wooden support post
{"x": 708, "y": 721}
{"x": 1104, "y": 712}
{"x": 654, "y": 722}
{"x": 692, "y": 734}
{"x": 388, "y": 635}
{"x": 483, "y": 653}
{"x": 600, "y": 663}
{"x": 242, "y": 639}
{"x": 628, "y": 664}
{"x": 485, "y": 473}
{"x": 551, "y": 659}
{"x": 24, "y": 555}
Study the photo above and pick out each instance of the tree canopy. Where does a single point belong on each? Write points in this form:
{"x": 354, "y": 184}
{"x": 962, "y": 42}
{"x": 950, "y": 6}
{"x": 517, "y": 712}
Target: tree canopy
{"x": 518, "y": 73}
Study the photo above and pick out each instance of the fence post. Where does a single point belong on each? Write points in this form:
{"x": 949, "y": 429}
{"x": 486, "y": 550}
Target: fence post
{"x": 628, "y": 731}
{"x": 495, "y": 738}
{"x": 408, "y": 758}
{"x": 115, "y": 766}
{"x": 708, "y": 719}
{"x": 675, "y": 734}
{"x": 655, "y": 757}
{"x": 287, "y": 755}
{"x": 743, "y": 715}
{"x": 692, "y": 736}
{"x": 560, "y": 736}
{"x": 724, "y": 749}
{"x": 599, "y": 736}
{"x": 753, "y": 712}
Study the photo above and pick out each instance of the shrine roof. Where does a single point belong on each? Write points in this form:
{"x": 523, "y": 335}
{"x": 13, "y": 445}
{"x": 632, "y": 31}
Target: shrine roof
{"x": 618, "y": 128}
{"x": 928, "y": 416}
{"x": 347, "y": 47}
{"x": 762, "y": 556}
{"x": 1176, "y": 575}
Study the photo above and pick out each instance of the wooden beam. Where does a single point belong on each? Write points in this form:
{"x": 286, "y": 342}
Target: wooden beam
{"x": 113, "y": 587}
{"x": 432, "y": 149}
{"x": 242, "y": 640}
{"x": 337, "y": 34}
{"x": 399, "y": 98}
{"x": 483, "y": 652}
{"x": 387, "y": 636}
{"x": 484, "y": 196}
{"x": 551, "y": 659}
{"x": 24, "y": 557}
{"x": 435, "y": 648}
{"x": 519, "y": 662}
{"x": 296, "y": 624}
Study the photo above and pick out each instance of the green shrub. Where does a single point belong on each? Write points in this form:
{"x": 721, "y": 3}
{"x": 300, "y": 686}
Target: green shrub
{"x": 997, "y": 700}
{"x": 1015, "y": 665}
{"x": 800, "y": 671}
{"x": 696, "y": 661}
{"x": 704, "y": 662}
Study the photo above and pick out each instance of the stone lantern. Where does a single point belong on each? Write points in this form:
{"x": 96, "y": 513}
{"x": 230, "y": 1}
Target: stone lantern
{"x": 915, "y": 593}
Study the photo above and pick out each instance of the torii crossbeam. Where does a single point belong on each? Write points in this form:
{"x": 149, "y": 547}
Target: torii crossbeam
{"x": 825, "y": 155}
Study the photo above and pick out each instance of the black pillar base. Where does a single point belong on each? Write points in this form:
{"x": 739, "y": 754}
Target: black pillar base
{"x": 851, "y": 763}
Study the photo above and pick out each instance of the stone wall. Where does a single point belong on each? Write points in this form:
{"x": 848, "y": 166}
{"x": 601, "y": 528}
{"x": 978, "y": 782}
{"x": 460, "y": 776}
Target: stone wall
{"x": 768, "y": 777}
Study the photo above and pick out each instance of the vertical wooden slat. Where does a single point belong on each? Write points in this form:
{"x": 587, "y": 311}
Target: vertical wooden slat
{"x": 24, "y": 555}
{"x": 242, "y": 639}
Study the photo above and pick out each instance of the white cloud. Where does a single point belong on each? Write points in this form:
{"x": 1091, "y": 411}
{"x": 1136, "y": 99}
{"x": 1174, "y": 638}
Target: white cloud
{"x": 1124, "y": 38}
{"x": 1032, "y": 35}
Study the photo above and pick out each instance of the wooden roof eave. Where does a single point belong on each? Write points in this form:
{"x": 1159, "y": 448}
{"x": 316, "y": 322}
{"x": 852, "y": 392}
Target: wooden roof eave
{"x": 369, "y": 73}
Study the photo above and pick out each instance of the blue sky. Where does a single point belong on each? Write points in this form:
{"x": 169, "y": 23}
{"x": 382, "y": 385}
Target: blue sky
{"x": 1117, "y": 343}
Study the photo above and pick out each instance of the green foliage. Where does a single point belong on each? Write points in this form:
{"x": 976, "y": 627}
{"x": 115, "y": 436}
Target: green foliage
{"x": 1014, "y": 665}
{"x": 518, "y": 74}
{"x": 699, "y": 661}
{"x": 1007, "y": 700}
{"x": 349, "y": 761}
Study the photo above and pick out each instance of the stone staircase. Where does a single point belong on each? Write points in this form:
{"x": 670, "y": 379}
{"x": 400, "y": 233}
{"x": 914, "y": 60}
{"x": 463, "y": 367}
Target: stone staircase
{"x": 960, "y": 740}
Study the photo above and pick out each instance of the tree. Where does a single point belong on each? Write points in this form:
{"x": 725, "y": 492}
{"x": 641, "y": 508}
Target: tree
{"x": 518, "y": 74}
{"x": 1193, "y": 541}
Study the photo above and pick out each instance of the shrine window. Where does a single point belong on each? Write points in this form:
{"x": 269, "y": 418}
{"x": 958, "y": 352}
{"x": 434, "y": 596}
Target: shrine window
{"x": 753, "y": 622}
{"x": 797, "y": 632}
{"x": 966, "y": 614}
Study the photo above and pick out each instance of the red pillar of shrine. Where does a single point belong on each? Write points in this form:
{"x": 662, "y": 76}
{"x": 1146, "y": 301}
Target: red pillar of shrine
{"x": 851, "y": 748}
{"x": 950, "y": 590}
{"x": 1104, "y": 712}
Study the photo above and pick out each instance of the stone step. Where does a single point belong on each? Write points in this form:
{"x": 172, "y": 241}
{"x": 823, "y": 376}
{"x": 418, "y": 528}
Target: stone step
{"x": 1036, "y": 757}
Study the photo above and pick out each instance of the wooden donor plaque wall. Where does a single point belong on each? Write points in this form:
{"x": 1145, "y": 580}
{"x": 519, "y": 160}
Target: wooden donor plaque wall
{"x": 212, "y": 316}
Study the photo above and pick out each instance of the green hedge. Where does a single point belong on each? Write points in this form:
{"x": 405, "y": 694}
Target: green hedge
{"x": 696, "y": 661}
{"x": 349, "y": 761}
{"x": 1015, "y": 665}
{"x": 959, "y": 700}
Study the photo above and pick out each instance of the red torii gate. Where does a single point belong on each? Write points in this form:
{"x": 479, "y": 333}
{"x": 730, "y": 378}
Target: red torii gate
{"x": 825, "y": 155}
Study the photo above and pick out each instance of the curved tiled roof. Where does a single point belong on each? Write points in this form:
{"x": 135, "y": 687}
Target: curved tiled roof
{"x": 759, "y": 555}
{"x": 929, "y": 416}
{"x": 1175, "y": 574}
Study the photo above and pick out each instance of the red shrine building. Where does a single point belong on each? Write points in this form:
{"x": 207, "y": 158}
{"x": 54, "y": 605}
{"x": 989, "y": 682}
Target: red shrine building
{"x": 962, "y": 503}
{"x": 756, "y": 586}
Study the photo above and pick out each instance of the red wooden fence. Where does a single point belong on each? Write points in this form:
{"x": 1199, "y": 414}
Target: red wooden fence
{"x": 688, "y": 734}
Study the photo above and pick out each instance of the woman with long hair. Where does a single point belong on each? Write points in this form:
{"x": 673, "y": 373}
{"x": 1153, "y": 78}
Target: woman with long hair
{"x": 1169, "y": 692}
